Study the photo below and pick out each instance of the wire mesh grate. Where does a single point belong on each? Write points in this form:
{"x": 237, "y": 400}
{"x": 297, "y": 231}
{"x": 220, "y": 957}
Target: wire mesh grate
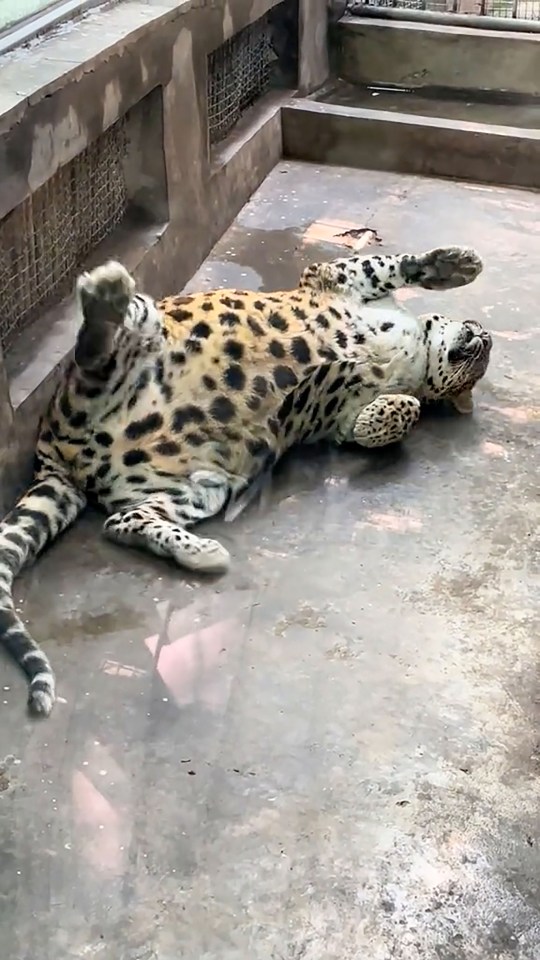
{"x": 238, "y": 74}
{"x": 515, "y": 9}
{"x": 44, "y": 241}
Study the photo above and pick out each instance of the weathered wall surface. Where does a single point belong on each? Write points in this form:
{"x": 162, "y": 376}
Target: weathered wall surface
{"x": 414, "y": 54}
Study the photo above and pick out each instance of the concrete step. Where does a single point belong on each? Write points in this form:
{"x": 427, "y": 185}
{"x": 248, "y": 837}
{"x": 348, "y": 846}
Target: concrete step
{"x": 491, "y": 107}
{"x": 443, "y": 101}
{"x": 354, "y": 136}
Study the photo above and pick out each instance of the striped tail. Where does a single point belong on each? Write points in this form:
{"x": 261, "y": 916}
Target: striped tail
{"x": 50, "y": 505}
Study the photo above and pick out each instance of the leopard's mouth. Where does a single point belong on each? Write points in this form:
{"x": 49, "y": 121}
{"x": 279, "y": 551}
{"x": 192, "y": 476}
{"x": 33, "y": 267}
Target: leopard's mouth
{"x": 473, "y": 351}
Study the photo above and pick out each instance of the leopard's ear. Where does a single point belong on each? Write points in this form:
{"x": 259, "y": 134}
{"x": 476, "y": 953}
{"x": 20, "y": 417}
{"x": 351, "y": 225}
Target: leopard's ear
{"x": 463, "y": 402}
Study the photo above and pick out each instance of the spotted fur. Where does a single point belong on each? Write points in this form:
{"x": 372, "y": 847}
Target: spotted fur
{"x": 170, "y": 408}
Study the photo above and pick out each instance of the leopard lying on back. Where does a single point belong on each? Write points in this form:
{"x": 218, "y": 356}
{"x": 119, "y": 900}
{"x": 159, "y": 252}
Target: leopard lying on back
{"x": 170, "y": 408}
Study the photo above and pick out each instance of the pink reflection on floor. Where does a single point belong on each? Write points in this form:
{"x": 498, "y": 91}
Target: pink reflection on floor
{"x": 515, "y": 334}
{"x": 191, "y": 664}
{"x": 405, "y": 293}
{"x": 393, "y": 522}
{"x": 517, "y": 414}
{"x": 493, "y": 449}
{"x": 98, "y": 826}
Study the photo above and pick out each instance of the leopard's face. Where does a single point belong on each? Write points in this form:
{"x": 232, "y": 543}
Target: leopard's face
{"x": 458, "y": 357}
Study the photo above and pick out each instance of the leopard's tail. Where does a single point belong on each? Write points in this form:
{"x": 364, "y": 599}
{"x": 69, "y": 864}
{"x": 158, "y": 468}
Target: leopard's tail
{"x": 42, "y": 513}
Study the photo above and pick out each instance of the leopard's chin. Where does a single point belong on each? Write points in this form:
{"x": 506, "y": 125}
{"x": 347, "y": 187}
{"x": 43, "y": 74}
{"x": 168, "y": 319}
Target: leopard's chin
{"x": 462, "y": 402}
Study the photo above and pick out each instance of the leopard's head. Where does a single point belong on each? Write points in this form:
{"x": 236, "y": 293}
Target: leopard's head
{"x": 457, "y": 358}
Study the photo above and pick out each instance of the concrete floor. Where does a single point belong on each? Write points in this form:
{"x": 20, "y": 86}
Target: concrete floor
{"x": 333, "y": 753}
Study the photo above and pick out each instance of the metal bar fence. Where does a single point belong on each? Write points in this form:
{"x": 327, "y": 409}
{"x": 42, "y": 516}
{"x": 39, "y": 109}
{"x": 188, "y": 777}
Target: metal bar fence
{"x": 504, "y": 9}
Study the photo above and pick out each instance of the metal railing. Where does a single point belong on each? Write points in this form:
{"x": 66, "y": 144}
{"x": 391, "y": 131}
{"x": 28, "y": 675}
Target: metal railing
{"x": 504, "y": 9}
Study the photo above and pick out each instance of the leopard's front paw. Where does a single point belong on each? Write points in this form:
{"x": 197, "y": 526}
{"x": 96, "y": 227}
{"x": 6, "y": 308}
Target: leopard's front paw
{"x": 443, "y": 268}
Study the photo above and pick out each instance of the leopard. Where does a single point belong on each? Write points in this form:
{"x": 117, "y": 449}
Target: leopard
{"x": 169, "y": 408}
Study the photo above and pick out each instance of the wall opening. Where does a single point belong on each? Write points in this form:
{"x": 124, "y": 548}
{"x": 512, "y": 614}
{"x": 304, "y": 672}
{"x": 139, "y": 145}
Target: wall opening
{"x": 45, "y": 241}
{"x": 262, "y": 56}
{"x": 238, "y": 76}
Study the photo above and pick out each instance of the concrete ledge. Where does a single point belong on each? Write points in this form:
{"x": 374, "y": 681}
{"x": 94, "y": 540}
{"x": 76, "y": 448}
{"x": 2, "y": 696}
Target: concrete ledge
{"x": 380, "y": 140}
{"x": 416, "y": 55}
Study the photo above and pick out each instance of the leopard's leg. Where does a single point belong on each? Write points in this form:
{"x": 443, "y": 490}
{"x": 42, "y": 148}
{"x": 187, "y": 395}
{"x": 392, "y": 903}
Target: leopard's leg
{"x": 387, "y": 419}
{"x": 373, "y": 277}
{"x": 109, "y": 304}
{"x": 159, "y": 521}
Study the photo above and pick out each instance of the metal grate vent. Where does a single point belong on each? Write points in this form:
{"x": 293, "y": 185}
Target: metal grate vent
{"x": 44, "y": 241}
{"x": 238, "y": 74}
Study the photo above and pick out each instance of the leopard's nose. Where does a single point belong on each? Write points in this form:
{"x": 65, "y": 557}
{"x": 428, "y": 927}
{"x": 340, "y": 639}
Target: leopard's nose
{"x": 487, "y": 344}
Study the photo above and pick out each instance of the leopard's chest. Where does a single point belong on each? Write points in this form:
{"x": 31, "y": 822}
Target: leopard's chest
{"x": 386, "y": 339}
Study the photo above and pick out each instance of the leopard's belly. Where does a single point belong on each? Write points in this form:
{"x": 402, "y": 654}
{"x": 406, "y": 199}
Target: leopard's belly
{"x": 393, "y": 355}
{"x": 231, "y": 397}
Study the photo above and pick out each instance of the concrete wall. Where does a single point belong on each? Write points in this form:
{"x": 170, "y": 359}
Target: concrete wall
{"x": 60, "y": 94}
{"x": 407, "y": 54}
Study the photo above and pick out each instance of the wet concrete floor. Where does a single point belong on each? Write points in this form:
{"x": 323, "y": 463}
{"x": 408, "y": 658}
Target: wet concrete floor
{"x": 438, "y": 102}
{"x": 334, "y": 751}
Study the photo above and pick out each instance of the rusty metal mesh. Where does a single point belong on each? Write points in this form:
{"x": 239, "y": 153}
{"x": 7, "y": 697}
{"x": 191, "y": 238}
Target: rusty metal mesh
{"x": 238, "y": 74}
{"x": 44, "y": 241}
{"x": 520, "y": 9}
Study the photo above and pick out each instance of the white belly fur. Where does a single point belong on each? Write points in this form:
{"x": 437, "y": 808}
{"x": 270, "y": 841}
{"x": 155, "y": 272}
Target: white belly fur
{"x": 400, "y": 351}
